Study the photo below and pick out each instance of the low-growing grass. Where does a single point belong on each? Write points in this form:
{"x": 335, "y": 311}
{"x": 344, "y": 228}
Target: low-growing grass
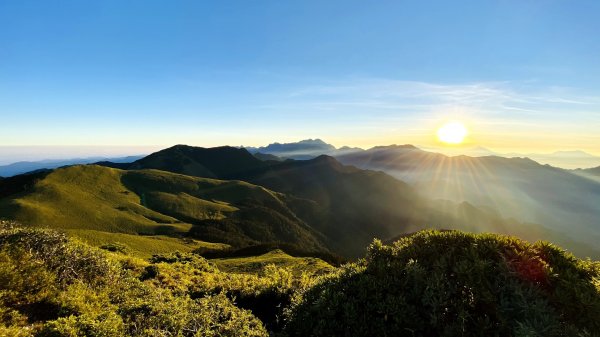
{"x": 144, "y": 246}
{"x": 86, "y": 197}
{"x": 111, "y": 200}
{"x": 254, "y": 264}
{"x": 152, "y": 202}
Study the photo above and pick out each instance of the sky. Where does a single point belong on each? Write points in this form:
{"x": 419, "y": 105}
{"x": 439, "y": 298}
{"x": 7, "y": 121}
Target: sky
{"x": 523, "y": 76}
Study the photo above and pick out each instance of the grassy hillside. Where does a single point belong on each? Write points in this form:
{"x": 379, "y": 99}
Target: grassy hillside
{"x": 254, "y": 264}
{"x": 201, "y": 162}
{"x": 85, "y": 197}
{"x": 143, "y": 246}
{"x": 151, "y": 202}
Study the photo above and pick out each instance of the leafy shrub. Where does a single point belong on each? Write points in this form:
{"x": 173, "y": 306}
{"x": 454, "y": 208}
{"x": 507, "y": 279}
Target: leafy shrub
{"x": 27, "y": 289}
{"x": 51, "y": 286}
{"x": 264, "y": 294}
{"x": 68, "y": 260}
{"x": 197, "y": 262}
{"x": 161, "y": 314}
{"x": 454, "y": 284}
{"x": 115, "y": 248}
{"x": 104, "y": 325}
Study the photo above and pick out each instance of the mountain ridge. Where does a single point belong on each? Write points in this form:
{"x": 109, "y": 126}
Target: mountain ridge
{"x": 341, "y": 192}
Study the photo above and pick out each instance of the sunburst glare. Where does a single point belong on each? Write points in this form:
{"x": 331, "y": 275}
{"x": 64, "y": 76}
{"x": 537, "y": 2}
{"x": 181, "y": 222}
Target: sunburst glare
{"x": 452, "y": 133}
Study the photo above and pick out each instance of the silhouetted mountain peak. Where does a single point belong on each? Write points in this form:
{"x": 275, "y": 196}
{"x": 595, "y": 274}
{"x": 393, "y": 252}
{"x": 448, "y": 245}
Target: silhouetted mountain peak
{"x": 304, "y": 149}
{"x": 216, "y": 162}
{"x": 396, "y": 147}
{"x": 316, "y": 141}
{"x": 326, "y": 160}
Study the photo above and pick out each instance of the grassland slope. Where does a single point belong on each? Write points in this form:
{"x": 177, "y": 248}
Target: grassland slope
{"x": 152, "y": 202}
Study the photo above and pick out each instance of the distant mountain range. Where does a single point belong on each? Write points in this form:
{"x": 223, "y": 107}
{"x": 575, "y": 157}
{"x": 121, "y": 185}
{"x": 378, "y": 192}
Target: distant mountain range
{"x": 516, "y": 187}
{"x": 311, "y": 148}
{"x": 228, "y": 195}
{"x": 563, "y": 159}
{"x": 304, "y": 149}
{"x": 29, "y": 166}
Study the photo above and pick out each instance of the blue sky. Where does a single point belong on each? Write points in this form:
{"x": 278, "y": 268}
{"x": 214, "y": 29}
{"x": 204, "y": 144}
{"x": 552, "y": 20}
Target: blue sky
{"x": 522, "y": 75}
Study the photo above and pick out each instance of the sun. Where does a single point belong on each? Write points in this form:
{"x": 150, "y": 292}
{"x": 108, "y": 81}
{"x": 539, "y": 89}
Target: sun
{"x": 452, "y": 133}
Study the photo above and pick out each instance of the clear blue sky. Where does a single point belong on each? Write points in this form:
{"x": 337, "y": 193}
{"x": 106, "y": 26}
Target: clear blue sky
{"x": 523, "y": 75}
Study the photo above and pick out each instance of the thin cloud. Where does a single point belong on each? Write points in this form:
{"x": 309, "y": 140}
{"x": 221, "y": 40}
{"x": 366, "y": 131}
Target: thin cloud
{"x": 484, "y": 98}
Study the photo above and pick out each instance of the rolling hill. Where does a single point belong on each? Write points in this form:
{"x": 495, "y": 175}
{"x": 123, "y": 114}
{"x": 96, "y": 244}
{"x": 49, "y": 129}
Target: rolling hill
{"x": 218, "y": 162}
{"x": 150, "y": 202}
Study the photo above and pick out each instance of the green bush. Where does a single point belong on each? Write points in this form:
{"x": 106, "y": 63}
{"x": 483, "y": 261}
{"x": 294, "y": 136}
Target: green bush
{"x": 454, "y": 284}
{"x": 265, "y": 294}
{"x": 51, "y": 286}
{"x": 115, "y": 248}
{"x": 160, "y": 314}
{"x": 67, "y": 259}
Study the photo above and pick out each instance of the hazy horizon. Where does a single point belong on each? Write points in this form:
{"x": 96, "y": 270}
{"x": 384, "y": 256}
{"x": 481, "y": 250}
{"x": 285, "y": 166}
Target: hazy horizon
{"x": 13, "y": 154}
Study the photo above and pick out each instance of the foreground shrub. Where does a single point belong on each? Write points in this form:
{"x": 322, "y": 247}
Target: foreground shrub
{"x": 68, "y": 260}
{"x": 265, "y": 294}
{"x": 454, "y": 284}
{"x": 162, "y": 315}
{"x": 52, "y": 286}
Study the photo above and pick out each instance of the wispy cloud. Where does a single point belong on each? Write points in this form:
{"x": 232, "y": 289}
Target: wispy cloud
{"x": 499, "y": 112}
{"x": 485, "y": 99}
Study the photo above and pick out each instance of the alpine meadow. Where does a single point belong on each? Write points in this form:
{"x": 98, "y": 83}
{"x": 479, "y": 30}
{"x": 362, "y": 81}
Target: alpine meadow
{"x": 282, "y": 169}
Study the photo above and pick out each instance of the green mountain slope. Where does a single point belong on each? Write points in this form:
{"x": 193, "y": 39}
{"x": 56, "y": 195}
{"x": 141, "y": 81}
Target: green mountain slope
{"x": 349, "y": 206}
{"x": 254, "y": 264}
{"x": 153, "y": 202}
{"x": 201, "y": 162}
{"x": 85, "y": 197}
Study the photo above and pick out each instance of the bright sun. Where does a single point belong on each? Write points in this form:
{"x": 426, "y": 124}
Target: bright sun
{"x": 452, "y": 133}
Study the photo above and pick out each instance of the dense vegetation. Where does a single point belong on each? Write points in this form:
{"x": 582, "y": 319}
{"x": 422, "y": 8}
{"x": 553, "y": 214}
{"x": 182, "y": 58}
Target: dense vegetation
{"x": 54, "y": 286}
{"x": 454, "y": 284}
{"x": 426, "y": 284}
